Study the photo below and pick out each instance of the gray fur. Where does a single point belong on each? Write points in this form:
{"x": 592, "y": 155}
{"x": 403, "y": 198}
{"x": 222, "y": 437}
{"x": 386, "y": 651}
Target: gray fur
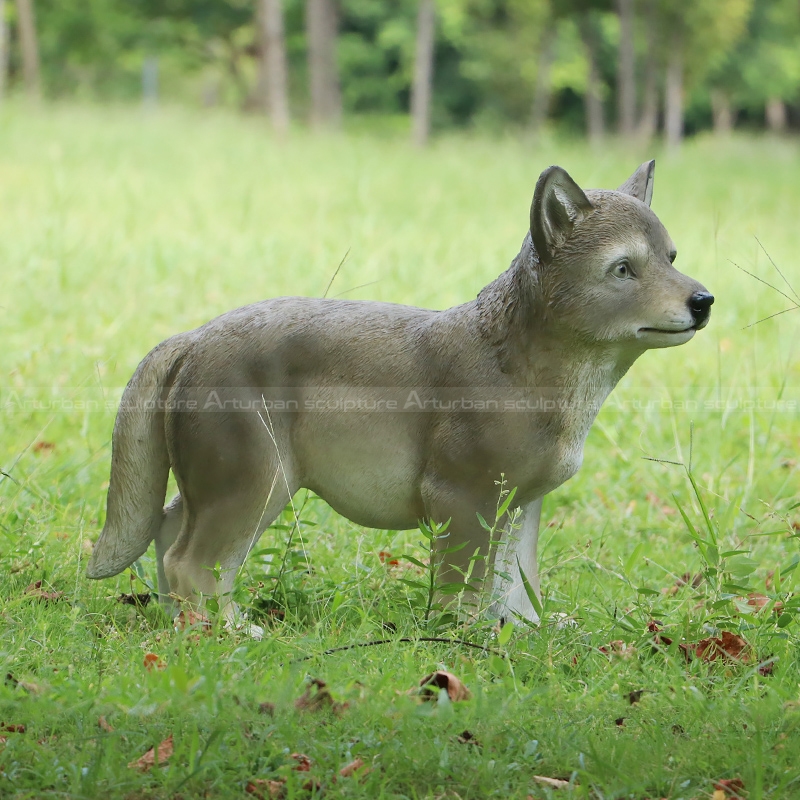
{"x": 562, "y": 327}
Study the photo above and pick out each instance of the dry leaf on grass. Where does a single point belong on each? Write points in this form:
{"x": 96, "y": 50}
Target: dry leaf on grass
{"x": 687, "y": 579}
{"x": 727, "y": 646}
{"x": 35, "y": 592}
{"x": 348, "y": 770}
{"x": 31, "y": 688}
{"x": 267, "y": 708}
{"x": 193, "y": 620}
{"x": 760, "y": 601}
{"x": 102, "y": 723}
{"x": 44, "y": 447}
{"x": 467, "y": 738}
{"x": 317, "y": 697}
{"x": 728, "y": 789}
{"x": 767, "y": 667}
{"x": 154, "y": 756}
{"x": 152, "y": 661}
{"x": 553, "y": 783}
{"x": 456, "y": 691}
{"x": 618, "y": 648}
{"x": 635, "y": 696}
{"x": 135, "y": 599}
{"x": 8, "y": 727}
{"x": 303, "y": 762}
{"x": 265, "y": 789}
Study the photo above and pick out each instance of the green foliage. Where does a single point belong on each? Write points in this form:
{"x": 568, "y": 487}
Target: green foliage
{"x": 766, "y": 63}
{"x": 489, "y": 54}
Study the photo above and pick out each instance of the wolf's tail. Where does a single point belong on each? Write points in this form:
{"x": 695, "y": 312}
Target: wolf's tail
{"x": 139, "y": 464}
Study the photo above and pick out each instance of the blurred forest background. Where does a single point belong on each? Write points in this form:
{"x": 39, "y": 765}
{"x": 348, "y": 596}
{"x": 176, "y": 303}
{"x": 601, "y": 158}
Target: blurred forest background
{"x": 638, "y": 68}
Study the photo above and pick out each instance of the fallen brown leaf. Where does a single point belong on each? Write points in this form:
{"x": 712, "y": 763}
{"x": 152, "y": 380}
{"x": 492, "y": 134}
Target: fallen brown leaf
{"x": 193, "y": 619}
{"x": 440, "y": 679}
{"x": 767, "y": 667}
{"x": 8, "y": 727}
{"x": 102, "y": 723}
{"x": 760, "y": 601}
{"x": 727, "y": 646}
{"x": 467, "y": 738}
{"x": 553, "y": 783}
{"x": 635, "y": 696}
{"x": 44, "y": 447}
{"x": 684, "y": 580}
{"x": 303, "y": 762}
{"x": 152, "y": 661}
{"x": 35, "y": 592}
{"x": 318, "y": 697}
{"x": 135, "y": 599}
{"x": 267, "y": 708}
{"x": 728, "y": 788}
{"x": 618, "y": 648}
{"x": 30, "y": 687}
{"x": 154, "y": 756}
{"x": 274, "y": 789}
{"x": 348, "y": 770}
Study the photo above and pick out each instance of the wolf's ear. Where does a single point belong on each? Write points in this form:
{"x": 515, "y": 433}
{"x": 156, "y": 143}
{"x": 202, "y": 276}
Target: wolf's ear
{"x": 558, "y": 203}
{"x": 640, "y": 184}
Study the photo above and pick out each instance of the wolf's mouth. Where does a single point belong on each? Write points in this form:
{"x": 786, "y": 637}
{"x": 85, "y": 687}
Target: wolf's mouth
{"x": 662, "y": 330}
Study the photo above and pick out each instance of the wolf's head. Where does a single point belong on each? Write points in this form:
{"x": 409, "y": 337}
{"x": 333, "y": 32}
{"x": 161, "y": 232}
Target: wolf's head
{"x": 605, "y": 264}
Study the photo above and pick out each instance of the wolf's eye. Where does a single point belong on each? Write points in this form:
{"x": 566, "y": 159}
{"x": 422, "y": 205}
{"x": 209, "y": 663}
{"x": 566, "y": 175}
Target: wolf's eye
{"x": 622, "y": 270}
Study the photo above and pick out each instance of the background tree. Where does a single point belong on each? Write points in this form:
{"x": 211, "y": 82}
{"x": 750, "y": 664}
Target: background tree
{"x": 29, "y": 46}
{"x": 273, "y": 72}
{"x": 593, "y": 96}
{"x": 761, "y": 74}
{"x": 322, "y": 28}
{"x": 499, "y": 63}
{"x": 697, "y": 35}
{"x": 3, "y": 49}
{"x": 626, "y": 69}
{"x": 422, "y": 87}
{"x": 648, "y": 119}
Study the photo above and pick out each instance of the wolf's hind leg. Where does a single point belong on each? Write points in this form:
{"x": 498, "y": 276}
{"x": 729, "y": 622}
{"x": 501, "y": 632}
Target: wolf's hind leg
{"x": 215, "y": 538}
{"x": 165, "y": 538}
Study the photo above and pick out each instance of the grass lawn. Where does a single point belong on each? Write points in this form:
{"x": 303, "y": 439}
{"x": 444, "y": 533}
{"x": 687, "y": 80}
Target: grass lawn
{"x": 119, "y": 228}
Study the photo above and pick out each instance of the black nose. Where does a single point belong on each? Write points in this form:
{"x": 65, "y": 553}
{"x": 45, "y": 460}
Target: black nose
{"x": 700, "y": 304}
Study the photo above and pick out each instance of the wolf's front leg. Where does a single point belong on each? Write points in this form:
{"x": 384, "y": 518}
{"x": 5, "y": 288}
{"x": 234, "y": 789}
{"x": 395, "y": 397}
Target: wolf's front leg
{"x": 518, "y": 549}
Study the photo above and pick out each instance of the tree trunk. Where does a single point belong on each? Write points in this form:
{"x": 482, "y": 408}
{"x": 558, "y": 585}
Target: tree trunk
{"x": 626, "y": 78}
{"x": 29, "y": 47}
{"x": 321, "y": 29}
{"x": 673, "y": 93}
{"x": 542, "y": 89}
{"x": 721, "y": 112}
{"x": 775, "y": 114}
{"x": 273, "y": 72}
{"x": 593, "y": 99}
{"x": 3, "y": 50}
{"x": 150, "y": 81}
{"x": 648, "y": 121}
{"x": 422, "y": 87}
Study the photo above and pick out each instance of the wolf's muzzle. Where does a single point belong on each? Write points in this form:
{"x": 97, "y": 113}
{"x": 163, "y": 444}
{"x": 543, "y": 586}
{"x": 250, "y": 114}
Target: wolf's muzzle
{"x": 700, "y": 305}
